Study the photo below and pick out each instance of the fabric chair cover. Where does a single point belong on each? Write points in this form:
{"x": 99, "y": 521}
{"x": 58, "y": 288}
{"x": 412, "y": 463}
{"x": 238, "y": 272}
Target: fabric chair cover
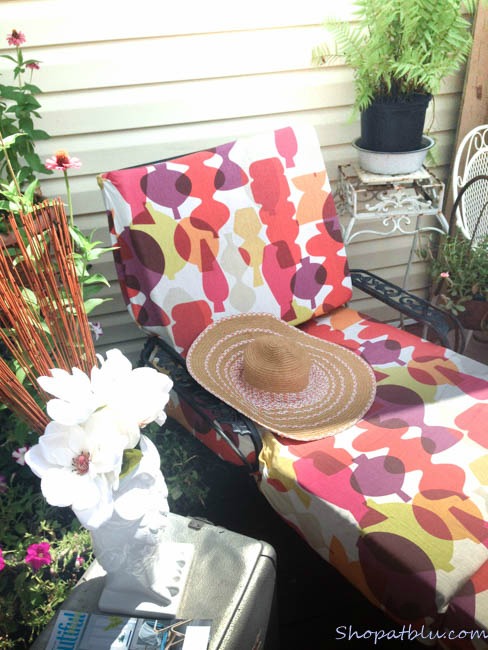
{"x": 398, "y": 503}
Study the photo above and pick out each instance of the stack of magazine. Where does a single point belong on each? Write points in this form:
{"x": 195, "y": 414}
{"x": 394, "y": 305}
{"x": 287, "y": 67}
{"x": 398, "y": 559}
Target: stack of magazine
{"x": 83, "y": 631}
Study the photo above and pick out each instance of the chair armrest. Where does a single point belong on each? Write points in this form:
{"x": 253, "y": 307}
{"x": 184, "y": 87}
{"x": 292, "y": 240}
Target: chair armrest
{"x": 160, "y": 355}
{"x": 441, "y": 322}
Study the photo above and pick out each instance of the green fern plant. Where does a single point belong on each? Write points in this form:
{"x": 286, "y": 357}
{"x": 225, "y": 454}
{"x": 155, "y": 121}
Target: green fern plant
{"x": 400, "y": 47}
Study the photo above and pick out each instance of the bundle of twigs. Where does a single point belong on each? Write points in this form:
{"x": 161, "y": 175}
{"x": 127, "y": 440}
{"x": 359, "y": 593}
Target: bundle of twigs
{"x": 43, "y": 323}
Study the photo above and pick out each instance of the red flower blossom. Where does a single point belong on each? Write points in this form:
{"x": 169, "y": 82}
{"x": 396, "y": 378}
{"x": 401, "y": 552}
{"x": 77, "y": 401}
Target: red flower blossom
{"x": 15, "y": 38}
{"x": 62, "y": 161}
{"x": 2, "y": 561}
{"x": 38, "y": 554}
{"x": 33, "y": 65}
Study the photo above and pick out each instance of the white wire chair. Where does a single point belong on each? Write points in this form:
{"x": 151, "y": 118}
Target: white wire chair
{"x": 471, "y": 162}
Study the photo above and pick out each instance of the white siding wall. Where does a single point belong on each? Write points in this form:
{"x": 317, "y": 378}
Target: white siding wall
{"x": 128, "y": 83}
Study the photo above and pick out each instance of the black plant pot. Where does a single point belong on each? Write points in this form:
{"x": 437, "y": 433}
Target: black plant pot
{"x": 394, "y": 124}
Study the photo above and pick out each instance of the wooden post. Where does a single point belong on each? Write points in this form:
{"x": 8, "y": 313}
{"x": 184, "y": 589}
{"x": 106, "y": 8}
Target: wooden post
{"x": 474, "y": 104}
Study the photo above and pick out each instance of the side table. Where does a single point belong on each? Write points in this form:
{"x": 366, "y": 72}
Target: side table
{"x": 232, "y": 582}
{"x": 396, "y": 204}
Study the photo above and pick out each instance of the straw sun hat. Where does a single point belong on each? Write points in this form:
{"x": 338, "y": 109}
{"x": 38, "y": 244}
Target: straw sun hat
{"x": 295, "y": 384}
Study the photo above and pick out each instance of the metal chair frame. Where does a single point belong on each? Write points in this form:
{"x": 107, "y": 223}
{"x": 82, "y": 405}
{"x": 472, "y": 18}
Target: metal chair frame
{"x": 471, "y": 162}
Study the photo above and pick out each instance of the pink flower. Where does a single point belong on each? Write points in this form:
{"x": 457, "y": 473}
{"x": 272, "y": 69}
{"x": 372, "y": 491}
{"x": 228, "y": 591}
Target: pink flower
{"x": 96, "y": 328}
{"x": 33, "y": 65}
{"x": 18, "y": 454}
{"x": 2, "y": 561}
{"x": 15, "y": 38}
{"x": 444, "y": 274}
{"x": 38, "y": 554}
{"x": 62, "y": 161}
{"x": 79, "y": 561}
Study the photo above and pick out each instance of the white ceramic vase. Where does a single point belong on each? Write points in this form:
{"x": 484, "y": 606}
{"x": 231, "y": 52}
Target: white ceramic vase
{"x": 130, "y": 546}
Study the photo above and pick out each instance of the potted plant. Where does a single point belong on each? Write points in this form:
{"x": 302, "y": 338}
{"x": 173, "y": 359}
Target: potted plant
{"x": 400, "y": 52}
{"x": 459, "y": 273}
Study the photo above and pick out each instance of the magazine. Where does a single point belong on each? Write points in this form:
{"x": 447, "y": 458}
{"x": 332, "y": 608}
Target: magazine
{"x": 84, "y": 631}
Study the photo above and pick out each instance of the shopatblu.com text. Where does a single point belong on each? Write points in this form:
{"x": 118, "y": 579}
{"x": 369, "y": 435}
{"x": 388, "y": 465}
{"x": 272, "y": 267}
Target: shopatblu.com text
{"x": 406, "y": 633}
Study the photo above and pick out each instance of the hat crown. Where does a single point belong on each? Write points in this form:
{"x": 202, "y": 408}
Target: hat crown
{"x": 275, "y": 364}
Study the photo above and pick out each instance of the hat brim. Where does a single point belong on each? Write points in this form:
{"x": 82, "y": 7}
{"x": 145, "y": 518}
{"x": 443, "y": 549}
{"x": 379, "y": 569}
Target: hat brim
{"x": 340, "y": 391}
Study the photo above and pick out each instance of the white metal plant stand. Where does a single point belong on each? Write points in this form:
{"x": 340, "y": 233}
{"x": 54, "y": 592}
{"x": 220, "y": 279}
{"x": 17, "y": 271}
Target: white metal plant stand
{"x": 390, "y": 204}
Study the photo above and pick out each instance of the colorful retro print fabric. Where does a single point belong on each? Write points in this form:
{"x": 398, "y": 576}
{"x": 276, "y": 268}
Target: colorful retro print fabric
{"x": 245, "y": 226}
{"x": 399, "y": 502}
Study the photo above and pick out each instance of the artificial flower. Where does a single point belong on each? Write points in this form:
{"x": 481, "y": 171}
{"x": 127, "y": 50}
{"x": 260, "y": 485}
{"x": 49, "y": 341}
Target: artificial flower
{"x": 2, "y": 561}
{"x": 107, "y": 419}
{"x": 38, "y": 555}
{"x": 80, "y": 466}
{"x": 139, "y": 394}
{"x": 19, "y": 455}
{"x": 61, "y": 161}
{"x": 135, "y": 396}
{"x": 94, "y": 420}
{"x": 15, "y": 38}
{"x": 74, "y": 398}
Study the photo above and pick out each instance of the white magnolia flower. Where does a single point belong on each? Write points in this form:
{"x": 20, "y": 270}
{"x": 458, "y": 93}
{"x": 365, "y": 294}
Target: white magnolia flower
{"x": 95, "y": 418}
{"x": 138, "y": 396}
{"x": 79, "y": 466}
{"x": 75, "y": 400}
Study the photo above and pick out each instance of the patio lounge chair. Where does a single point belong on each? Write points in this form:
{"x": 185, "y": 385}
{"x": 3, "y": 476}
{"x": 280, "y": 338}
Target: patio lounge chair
{"x": 398, "y": 502}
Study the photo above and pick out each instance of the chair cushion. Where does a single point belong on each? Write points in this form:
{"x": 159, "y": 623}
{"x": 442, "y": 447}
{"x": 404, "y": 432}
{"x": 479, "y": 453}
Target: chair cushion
{"x": 399, "y": 502}
{"x": 264, "y": 237}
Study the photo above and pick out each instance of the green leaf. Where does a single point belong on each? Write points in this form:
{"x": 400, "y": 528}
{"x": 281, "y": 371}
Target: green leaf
{"x": 92, "y": 290}
{"x": 130, "y": 460}
{"x": 9, "y": 92}
{"x": 97, "y": 278}
{"x": 9, "y": 57}
{"x": 26, "y": 102}
{"x": 92, "y": 303}
{"x": 30, "y": 87}
{"x": 79, "y": 238}
{"x": 34, "y": 162}
{"x": 176, "y": 492}
{"x": 39, "y": 134}
{"x": 30, "y": 190}
{"x": 26, "y": 124}
{"x": 20, "y": 374}
{"x": 10, "y": 140}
